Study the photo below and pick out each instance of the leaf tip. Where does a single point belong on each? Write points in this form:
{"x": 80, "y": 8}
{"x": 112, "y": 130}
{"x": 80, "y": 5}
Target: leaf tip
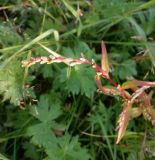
{"x": 104, "y": 61}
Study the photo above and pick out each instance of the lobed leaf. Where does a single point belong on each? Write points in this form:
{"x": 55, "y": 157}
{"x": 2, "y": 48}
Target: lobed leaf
{"x": 79, "y": 80}
{"x": 46, "y": 111}
{"x": 68, "y": 148}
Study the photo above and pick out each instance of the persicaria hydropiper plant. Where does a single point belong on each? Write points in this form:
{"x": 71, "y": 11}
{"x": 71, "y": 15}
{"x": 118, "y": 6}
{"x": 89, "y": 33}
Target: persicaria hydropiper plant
{"x": 134, "y": 104}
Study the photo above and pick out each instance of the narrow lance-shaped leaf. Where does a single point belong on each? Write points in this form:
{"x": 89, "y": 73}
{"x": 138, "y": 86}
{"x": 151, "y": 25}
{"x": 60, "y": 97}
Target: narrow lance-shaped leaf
{"x": 135, "y": 83}
{"x": 123, "y": 121}
{"x": 104, "y": 61}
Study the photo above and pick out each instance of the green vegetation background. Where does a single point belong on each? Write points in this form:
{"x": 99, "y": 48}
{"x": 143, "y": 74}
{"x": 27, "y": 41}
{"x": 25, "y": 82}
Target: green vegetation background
{"x": 71, "y": 120}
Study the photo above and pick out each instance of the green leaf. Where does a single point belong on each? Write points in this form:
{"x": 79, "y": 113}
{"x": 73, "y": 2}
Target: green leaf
{"x": 29, "y": 44}
{"x": 68, "y": 149}
{"x": 6, "y": 31}
{"x": 70, "y": 8}
{"x": 113, "y": 8}
{"x": 47, "y": 71}
{"x": 74, "y": 50}
{"x": 11, "y": 82}
{"x": 42, "y": 134}
{"x": 132, "y": 155}
{"x": 71, "y": 83}
{"x": 2, "y": 157}
{"x": 87, "y": 83}
{"x": 104, "y": 113}
{"x": 127, "y": 69}
{"x": 30, "y": 151}
{"x": 46, "y": 112}
{"x": 80, "y": 80}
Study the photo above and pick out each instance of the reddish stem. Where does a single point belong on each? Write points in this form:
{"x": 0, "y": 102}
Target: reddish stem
{"x": 106, "y": 76}
{"x": 98, "y": 69}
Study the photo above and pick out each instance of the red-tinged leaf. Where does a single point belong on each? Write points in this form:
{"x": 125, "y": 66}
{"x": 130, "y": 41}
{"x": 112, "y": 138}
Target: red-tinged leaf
{"x": 104, "y": 62}
{"x": 123, "y": 121}
{"x": 149, "y": 114}
{"x": 135, "y": 83}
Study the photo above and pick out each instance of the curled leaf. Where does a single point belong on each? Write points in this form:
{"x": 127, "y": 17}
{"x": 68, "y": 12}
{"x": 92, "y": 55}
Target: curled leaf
{"x": 104, "y": 62}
